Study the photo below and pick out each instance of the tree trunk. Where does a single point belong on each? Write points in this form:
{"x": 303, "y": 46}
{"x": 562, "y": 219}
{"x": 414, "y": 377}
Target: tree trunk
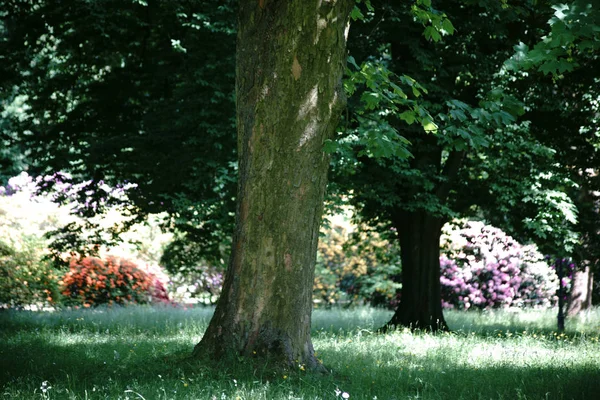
{"x": 420, "y": 303}
{"x": 291, "y": 57}
{"x": 581, "y": 292}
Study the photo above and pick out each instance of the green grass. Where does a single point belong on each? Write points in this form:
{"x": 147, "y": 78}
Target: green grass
{"x": 142, "y": 353}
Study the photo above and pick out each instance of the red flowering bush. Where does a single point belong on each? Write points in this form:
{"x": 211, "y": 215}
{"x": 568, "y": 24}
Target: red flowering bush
{"x": 92, "y": 281}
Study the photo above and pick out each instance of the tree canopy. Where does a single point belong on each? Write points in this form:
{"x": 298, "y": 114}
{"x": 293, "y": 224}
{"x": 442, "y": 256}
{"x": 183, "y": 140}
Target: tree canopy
{"x": 487, "y": 109}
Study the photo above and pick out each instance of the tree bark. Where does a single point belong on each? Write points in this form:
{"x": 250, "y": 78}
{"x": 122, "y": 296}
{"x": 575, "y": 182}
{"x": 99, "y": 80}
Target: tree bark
{"x": 420, "y": 302}
{"x": 581, "y": 292}
{"x": 291, "y": 56}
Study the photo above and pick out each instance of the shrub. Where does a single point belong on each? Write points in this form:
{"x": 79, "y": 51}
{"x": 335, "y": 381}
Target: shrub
{"x": 483, "y": 267}
{"x": 201, "y": 286}
{"x": 358, "y": 266}
{"x": 26, "y": 279}
{"x": 92, "y": 281}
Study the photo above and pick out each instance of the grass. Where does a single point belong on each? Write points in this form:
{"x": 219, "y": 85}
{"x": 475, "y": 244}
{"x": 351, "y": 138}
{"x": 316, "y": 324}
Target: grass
{"x": 141, "y": 353}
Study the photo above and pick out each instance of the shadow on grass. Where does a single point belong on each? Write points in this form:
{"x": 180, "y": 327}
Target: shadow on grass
{"x": 439, "y": 377}
{"x": 77, "y": 353}
{"x": 84, "y": 364}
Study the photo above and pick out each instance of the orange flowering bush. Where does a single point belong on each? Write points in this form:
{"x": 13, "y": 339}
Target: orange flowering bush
{"x": 92, "y": 281}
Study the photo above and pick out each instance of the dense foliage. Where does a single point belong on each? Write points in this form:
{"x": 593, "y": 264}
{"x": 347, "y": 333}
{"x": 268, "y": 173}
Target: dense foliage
{"x": 125, "y": 103}
{"x": 355, "y": 265}
{"x": 92, "y": 282}
{"x": 483, "y": 267}
{"x": 25, "y": 278}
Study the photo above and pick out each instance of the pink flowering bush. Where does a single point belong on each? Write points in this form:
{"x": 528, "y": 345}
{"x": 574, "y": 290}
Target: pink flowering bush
{"x": 483, "y": 267}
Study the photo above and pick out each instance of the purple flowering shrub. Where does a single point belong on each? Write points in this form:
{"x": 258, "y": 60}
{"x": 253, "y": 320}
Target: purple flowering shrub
{"x": 202, "y": 286}
{"x": 483, "y": 267}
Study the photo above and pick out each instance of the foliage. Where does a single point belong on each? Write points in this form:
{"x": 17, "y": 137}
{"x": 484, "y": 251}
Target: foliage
{"x": 385, "y": 162}
{"x": 201, "y": 286}
{"x": 538, "y": 207}
{"x": 574, "y": 34}
{"x": 355, "y": 266}
{"x": 132, "y": 96}
{"x": 92, "y": 282}
{"x": 25, "y": 278}
{"x": 557, "y": 75}
{"x": 483, "y": 267}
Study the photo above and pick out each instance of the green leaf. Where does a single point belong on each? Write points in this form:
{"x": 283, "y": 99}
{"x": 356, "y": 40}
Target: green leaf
{"x": 370, "y": 99}
{"x": 330, "y": 146}
{"x": 431, "y": 33}
{"x": 356, "y": 14}
{"x": 429, "y": 126}
{"x": 447, "y": 26}
{"x": 408, "y": 116}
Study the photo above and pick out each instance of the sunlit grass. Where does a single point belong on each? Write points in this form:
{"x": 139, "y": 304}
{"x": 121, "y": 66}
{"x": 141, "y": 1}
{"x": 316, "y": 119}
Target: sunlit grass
{"x": 141, "y": 352}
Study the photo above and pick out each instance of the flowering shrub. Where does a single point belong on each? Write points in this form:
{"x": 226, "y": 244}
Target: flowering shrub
{"x": 25, "y": 278}
{"x": 160, "y": 281}
{"x": 202, "y": 286}
{"x": 92, "y": 281}
{"x": 355, "y": 267}
{"x": 483, "y": 267}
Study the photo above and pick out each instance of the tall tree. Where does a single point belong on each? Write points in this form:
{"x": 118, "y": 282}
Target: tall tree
{"x": 290, "y": 60}
{"x": 417, "y": 196}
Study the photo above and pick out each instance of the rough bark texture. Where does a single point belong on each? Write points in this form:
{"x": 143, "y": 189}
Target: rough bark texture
{"x": 290, "y": 60}
{"x": 420, "y": 303}
{"x": 581, "y": 292}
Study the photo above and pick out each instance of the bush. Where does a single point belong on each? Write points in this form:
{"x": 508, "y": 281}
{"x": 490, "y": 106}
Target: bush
{"x": 483, "y": 267}
{"x": 25, "y": 278}
{"x": 201, "y": 286}
{"x": 92, "y": 281}
{"x": 358, "y": 266}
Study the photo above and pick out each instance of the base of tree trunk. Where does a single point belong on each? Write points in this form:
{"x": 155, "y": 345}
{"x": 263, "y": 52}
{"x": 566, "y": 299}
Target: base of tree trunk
{"x": 414, "y": 321}
{"x": 228, "y": 341}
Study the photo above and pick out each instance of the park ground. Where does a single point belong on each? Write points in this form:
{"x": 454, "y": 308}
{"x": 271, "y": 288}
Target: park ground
{"x": 143, "y": 353}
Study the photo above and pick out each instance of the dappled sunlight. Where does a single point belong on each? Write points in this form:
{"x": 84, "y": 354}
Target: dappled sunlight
{"x": 147, "y": 349}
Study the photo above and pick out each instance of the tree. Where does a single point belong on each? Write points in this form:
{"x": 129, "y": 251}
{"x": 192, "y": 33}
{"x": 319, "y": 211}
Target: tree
{"x": 290, "y": 61}
{"x": 106, "y": 98}
{"x": 565, "y": 117}
{"x": 415, "y": 196}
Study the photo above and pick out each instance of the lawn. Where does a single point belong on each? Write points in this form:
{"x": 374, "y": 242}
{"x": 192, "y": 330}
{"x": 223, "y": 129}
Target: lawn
{"x": 142, "y": 353}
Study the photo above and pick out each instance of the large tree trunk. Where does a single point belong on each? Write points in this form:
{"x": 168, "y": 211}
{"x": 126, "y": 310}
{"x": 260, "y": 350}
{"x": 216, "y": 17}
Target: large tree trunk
{"x": 420, "y": 303}
{"x": 290, "y": 60}
{"x": 580, "y": 297}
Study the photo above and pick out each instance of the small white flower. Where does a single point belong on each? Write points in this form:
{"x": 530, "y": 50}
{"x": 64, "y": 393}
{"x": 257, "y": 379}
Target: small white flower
{"x": 337, "y": 392}
{"x": 345, "y": 395}
{"x": 45, "y": 387}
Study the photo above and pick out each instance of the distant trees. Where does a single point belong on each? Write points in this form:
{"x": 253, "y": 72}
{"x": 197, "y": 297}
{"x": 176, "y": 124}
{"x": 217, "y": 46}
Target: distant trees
{"x": 133, "y": 96}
